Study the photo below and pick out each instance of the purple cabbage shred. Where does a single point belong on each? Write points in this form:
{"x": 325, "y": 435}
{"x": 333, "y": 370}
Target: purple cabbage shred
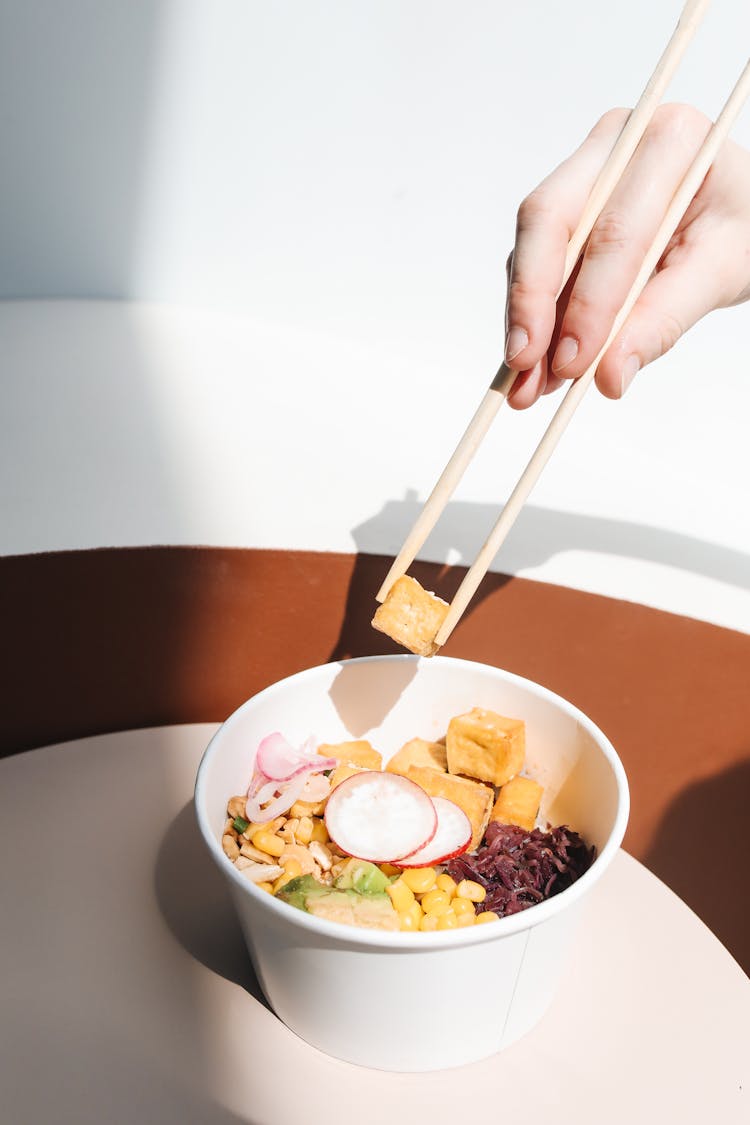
{"x": 519, "y": 869}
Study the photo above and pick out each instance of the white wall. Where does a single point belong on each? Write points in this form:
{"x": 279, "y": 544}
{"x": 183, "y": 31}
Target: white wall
{"x": 307, "y": 207}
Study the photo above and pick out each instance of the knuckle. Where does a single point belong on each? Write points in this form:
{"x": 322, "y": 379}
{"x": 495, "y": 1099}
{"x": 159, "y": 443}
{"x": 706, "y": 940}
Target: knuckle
{"x": 589, "y": 312}
{"x": 611, "y": 235}
{"x": 670, "y": 331}
{"x": 520, "y": 292}
{"x": 612, "y": 120}
{"x": 678, "y": 120}
{"x": 533, "y": 209}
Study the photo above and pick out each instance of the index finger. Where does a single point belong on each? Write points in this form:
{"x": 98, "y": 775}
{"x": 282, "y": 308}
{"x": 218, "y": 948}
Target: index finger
{"x": 545, "y": 224}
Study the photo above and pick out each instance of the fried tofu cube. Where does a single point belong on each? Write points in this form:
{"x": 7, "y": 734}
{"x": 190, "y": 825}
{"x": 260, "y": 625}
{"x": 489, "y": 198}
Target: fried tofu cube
{"x": 308, "y": 808}
{"x": 486, "y": 745}
{"x": 344, "y": 770}
{"x": 418, "y": 752}
{"x": 518, "y": 802}
{"x": 358, "y": 753}
{"x": 473, "y": 797}
{"x": 412, "y": 616}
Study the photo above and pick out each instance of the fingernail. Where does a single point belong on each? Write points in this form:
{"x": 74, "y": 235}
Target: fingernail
{"x": 516, "y": 341}
{"x": 566, "y": 352}
{"x": 630, "y": 369}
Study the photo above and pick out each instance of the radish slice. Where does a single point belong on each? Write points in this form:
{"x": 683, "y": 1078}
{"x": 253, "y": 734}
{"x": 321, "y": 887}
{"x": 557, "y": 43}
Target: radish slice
{"x": 452, "y": 836}
{"x": 278, "y": 759}
{"x": 380, "y": 816}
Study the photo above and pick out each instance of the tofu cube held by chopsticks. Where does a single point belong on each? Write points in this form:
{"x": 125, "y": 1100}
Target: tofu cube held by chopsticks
{"x": 411, "y": 616}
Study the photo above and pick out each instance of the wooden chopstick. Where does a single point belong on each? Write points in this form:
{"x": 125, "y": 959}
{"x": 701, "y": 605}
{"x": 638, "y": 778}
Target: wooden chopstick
{"x": 626, "y": 144}
{"x": 680, "y": 202}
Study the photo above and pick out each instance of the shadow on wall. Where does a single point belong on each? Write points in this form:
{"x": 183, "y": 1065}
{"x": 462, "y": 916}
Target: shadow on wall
{"x": 702, "y": 851}
{"x": 540, "y": 533}
{"x": 76, "y": 86}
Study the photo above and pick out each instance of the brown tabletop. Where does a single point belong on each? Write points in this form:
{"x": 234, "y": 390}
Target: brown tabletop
{"x": 115, "y": 639}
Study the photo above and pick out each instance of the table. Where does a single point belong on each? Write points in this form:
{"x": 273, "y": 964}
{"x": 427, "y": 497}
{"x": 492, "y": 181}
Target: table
{"x": 127, "y": 997}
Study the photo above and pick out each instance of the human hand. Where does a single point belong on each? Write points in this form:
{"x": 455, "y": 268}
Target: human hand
{"x": 705, "y": 266}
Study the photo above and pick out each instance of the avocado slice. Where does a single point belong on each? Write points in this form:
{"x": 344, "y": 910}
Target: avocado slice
{"x": 371, "y": 909}
{"x": 297, "y": 891}
{"x": 375, "y": 912}
{"x": 363, "y": 877}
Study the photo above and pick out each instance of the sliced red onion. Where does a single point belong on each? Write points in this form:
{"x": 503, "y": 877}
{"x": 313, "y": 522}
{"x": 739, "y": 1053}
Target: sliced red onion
{"x": 258, "y": 781}
{"x": 276, "y": 758}
{"x": 268, "y": 790}
{"x": 283, "y": 775}
{"x": 317, "y": 787}
{"x": 287, "y": 793}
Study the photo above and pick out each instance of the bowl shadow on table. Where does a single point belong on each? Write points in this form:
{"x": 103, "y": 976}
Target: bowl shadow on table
{"x": 701, "y": 846}
{"x": 196, "y": 905}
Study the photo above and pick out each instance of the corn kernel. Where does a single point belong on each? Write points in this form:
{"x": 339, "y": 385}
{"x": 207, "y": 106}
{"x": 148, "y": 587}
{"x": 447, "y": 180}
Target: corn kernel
{"x": 436, "y": 902}
{"x": 252, "y": 828}
{"x": 319, "y": 831}
{"x": 419, "y": 879}
{"x": 416, "y": 912}
{"x": 389, "y": 869}
{"x": 428, "y": 922}
{"x": 281, "y": 881}
{"x": 308, "y": 808}
{"x": 447, "y": 921}
{"x": 410, "y": 919}
{"x": 462, "y": 906}
{"x": 265, "y": 887}
{"x": 467, "y": 888}
{"x": 292, "y": 866}
{"x": 305, "y": 830}
{"x": 269, "y": 843}
{"x": 487, "y": 916}
{"x": 464, "y": 920}
{"x": 447, "y": 884}
{"x": 401, "y": 896}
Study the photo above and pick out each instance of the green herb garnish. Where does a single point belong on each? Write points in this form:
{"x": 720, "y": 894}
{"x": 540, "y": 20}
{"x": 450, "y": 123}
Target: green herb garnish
{"x": 240, "y": 824}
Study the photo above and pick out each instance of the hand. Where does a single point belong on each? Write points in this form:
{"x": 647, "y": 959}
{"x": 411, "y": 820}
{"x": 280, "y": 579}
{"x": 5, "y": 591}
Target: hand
{"x": 705, "y": 266}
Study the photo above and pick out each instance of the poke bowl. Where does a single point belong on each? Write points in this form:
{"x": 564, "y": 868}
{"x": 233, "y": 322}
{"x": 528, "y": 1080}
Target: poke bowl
{"x": 415, "y": 999}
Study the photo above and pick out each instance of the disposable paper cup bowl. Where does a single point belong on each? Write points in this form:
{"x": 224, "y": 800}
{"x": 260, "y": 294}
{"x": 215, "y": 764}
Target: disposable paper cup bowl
{"x": 415, "y": 1001}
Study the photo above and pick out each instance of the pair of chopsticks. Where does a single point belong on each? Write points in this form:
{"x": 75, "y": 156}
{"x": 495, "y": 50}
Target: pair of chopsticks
{"x": 625, "y": 146}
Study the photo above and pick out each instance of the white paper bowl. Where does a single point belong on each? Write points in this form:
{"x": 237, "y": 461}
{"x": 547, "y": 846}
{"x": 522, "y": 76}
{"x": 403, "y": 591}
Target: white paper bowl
{"x": 405, "y": 1001}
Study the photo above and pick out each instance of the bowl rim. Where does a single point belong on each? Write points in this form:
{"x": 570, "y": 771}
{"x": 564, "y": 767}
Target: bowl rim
{"x": 401, "y": 941}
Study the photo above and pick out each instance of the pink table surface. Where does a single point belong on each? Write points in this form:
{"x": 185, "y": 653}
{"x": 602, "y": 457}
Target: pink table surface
{"x": 126, "y": 995}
